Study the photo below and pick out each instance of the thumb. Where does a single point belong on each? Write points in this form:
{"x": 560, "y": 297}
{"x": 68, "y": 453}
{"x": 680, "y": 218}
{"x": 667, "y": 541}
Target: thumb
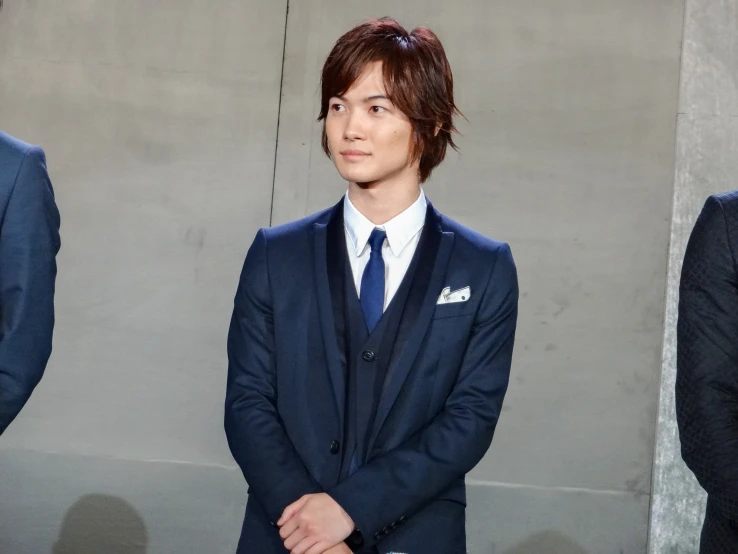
{"x": 292, "y": 509}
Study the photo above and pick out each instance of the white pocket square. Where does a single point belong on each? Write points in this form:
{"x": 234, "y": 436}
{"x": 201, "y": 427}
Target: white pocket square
{"x": 459, "y": 295}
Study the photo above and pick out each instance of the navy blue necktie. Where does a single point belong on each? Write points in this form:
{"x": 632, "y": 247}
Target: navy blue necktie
{"x": 372, "y": 282}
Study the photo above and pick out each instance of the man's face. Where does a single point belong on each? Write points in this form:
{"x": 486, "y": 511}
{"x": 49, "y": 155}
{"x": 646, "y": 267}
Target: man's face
{"x": 369, "y": 138}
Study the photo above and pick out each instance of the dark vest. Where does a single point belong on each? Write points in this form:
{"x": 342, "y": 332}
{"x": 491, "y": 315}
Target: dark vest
{"x": 368, "y": 359}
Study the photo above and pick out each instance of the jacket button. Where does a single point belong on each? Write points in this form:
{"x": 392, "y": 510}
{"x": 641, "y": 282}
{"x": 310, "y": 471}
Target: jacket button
{"x": 335, "y": 447}
{"x": 402, "y": 520}
{"x": 368, "y": 356}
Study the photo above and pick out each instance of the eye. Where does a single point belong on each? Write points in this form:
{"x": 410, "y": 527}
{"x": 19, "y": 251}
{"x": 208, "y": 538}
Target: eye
{"x": 377, "y": 109}
{"x": 337, "y": 107}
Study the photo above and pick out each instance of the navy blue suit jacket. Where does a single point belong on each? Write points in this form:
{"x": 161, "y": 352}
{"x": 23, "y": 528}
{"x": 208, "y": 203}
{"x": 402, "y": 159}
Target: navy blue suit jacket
{"x": 29, "y": 242}
{"x": 707, "y": 367}
{"x": 438, "y": 412}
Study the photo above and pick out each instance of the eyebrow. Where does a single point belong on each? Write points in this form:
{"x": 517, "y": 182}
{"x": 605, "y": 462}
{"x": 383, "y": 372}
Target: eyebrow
{"x": 368, "y": 98}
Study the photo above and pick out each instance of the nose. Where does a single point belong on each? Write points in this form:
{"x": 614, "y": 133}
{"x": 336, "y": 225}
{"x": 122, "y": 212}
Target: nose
{"x": 354, "y": 129}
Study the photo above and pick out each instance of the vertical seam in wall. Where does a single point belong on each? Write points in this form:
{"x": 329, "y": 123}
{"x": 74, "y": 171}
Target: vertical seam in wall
{"x": 668, "y": 272}
{"x": 279, "y": 112}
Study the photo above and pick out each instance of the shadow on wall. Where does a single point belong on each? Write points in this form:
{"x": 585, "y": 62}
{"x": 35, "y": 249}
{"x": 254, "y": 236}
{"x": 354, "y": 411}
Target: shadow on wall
{"x": 102, "y": 524}
{"x": 548, "y": 542}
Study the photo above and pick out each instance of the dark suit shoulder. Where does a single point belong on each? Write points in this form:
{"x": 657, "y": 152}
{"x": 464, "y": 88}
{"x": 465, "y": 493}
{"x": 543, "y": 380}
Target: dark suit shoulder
{"x": 23, "y": 170}
{"x": 12, "y": 154}
{"x": 299, "y": 225}
{"x": 728, "y": 199}
{"x": 468, "y": 239}
{"x": 728, "y": 204}
{"x": 294, "y": 234}
{"x": 13, "y": 149}
{"x": 719, "y": 219}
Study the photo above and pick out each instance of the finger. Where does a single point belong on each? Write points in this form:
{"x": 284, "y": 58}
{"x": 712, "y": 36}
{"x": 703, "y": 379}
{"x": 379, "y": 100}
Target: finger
{"x": 292, "y": 509}
{"x": 304, "y": 545}
{"x": 288, "y": 528}
{"x": 319, "y": 548}
{"x": 295, "y": 538}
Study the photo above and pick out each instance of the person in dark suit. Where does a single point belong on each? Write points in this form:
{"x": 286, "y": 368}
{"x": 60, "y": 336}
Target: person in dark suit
{"x": 371, "y": 343}
{"x": 29, "y": 242}
{"x": 707, "y": 367}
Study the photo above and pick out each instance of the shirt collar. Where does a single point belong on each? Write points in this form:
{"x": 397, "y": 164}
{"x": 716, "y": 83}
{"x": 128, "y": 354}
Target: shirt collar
{"x": 400, "y": 229}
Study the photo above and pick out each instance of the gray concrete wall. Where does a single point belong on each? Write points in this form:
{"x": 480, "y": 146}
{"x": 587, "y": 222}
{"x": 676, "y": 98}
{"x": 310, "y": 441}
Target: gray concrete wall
{"x": 160, "y": 124}
{"x": 706, "y": 163}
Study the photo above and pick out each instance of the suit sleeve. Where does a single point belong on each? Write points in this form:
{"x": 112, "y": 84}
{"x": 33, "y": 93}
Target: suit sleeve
{"x": 29, "y": 242}
{"x": 403, "y": 480}
{"x": 707, "y": 358}
{"x": 257, "y": 439}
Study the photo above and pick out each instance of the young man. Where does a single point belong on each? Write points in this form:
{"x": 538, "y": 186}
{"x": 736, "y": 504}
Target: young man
{"x": 29, "y": 242}
{"x": 370, "y": 345}
{"x": 707, "y": 367}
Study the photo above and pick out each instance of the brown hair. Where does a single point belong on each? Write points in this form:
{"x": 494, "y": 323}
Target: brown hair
{"x": 417, "y": 77}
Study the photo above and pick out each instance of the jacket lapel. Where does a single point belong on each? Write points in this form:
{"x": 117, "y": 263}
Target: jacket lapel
{"x": 418, "y": 312}
{"x": 327, "y": 256}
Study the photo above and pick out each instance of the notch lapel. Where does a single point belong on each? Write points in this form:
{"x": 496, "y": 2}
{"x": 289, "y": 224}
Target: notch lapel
{"x": 399, "y": 371}
{"x": 323, "y": 241}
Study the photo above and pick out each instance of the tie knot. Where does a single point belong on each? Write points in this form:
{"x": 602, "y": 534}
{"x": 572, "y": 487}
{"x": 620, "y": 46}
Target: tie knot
{"x": 376, "y": 240}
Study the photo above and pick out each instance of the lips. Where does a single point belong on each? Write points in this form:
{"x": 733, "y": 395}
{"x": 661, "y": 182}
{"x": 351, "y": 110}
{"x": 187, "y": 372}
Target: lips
{"x": 354, "y": 155}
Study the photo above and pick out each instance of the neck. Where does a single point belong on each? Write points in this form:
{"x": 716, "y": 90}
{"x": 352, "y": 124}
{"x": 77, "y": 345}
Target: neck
{"x": 379, "y": 204}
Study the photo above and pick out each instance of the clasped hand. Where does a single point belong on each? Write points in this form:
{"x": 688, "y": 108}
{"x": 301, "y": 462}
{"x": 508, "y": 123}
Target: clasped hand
{"x": 315, "y": 524}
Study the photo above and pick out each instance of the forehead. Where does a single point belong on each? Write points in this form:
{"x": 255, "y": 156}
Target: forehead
{"x": 369, "y": 83}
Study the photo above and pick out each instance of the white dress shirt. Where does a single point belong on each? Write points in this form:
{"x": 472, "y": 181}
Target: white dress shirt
{"x": 403, "y": 234}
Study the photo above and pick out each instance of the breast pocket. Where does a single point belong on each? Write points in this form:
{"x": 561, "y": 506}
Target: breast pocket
{"x": 454, "y": 309}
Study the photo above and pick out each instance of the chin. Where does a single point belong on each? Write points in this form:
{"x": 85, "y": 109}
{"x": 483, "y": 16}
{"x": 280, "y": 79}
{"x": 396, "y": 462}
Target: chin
{"x": 358, "y": 177}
